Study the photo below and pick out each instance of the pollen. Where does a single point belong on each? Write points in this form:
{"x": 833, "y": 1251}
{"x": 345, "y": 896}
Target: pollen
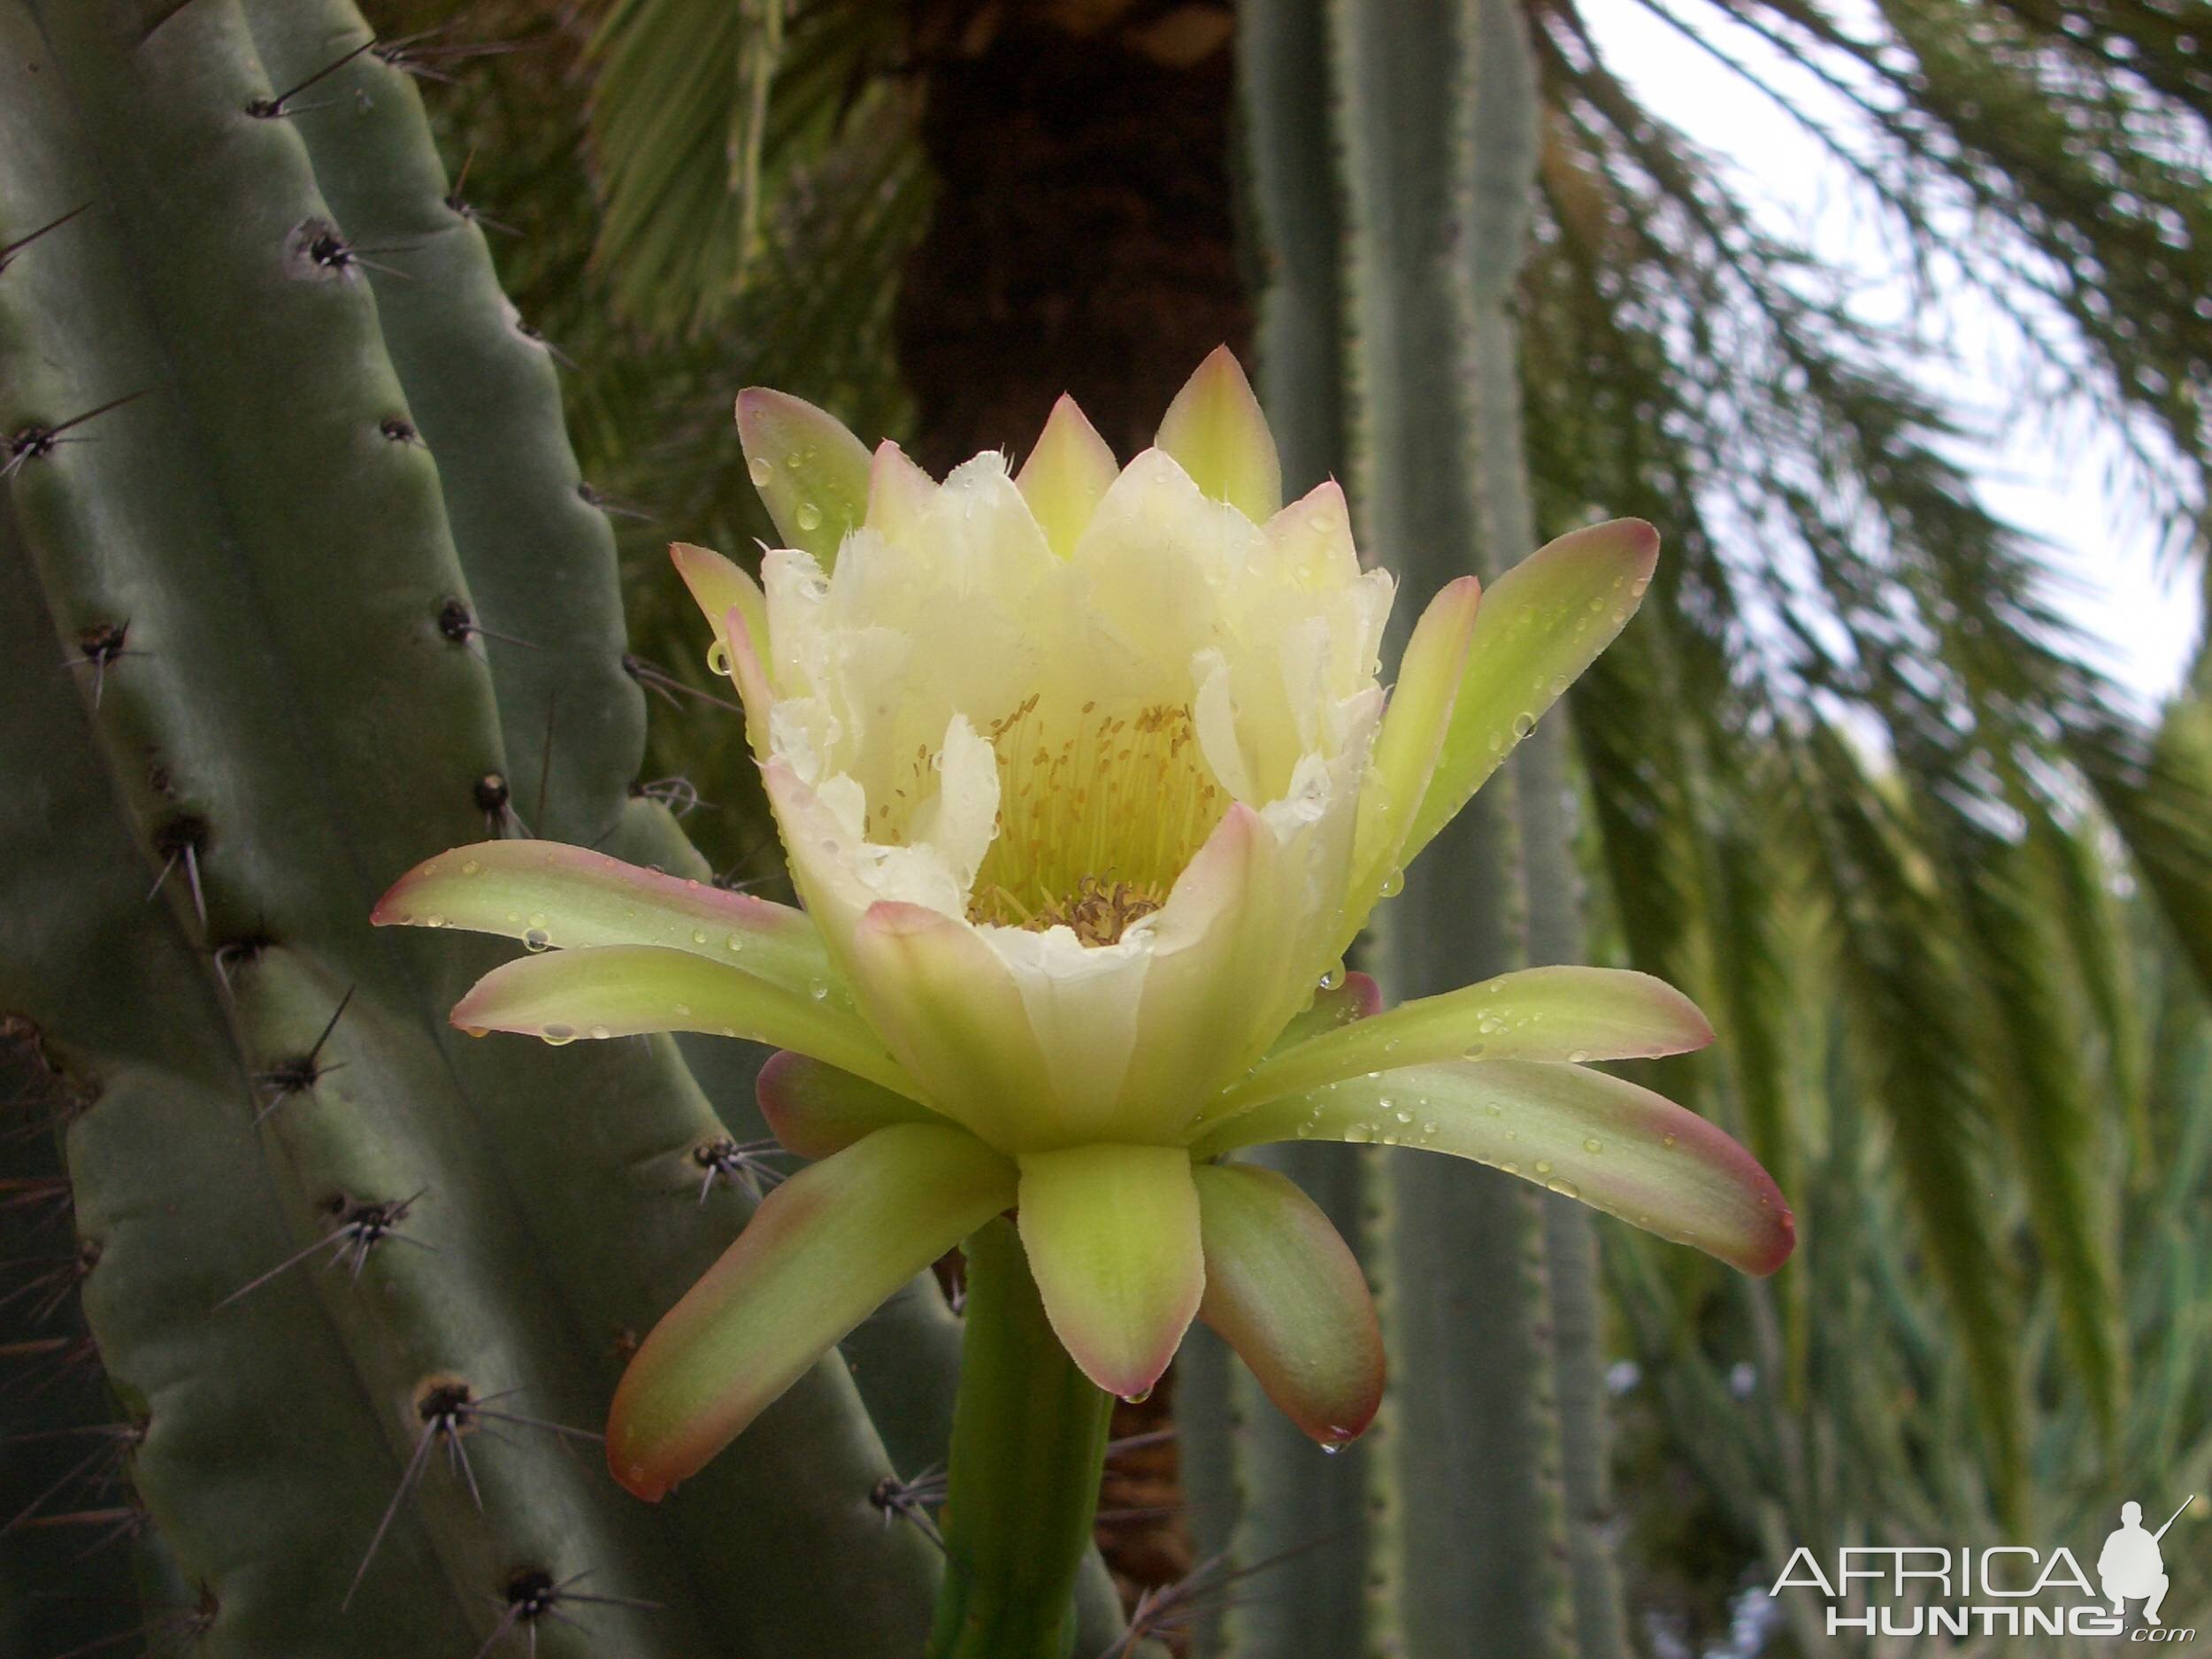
{"x": 1100, "y": 808}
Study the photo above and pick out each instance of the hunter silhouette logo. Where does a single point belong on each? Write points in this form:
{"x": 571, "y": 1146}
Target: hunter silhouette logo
{"x": 2129, "y": 1567}
{"x": 1996, "y": 1590}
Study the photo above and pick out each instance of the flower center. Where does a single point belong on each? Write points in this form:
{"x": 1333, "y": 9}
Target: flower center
{"x": 1100, "y": 808}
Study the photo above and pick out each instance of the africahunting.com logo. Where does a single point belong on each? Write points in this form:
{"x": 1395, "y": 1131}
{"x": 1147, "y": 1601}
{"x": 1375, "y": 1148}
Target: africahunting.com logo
{"x": 2000, "y": 1590}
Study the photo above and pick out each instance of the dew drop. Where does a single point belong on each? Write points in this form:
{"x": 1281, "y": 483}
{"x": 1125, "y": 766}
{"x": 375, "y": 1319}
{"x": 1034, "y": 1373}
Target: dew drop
{"x": 817, "y": 989}
{"x": 536, "y": 939}
{"x": 809, "y": 516}
{"x": 1403, "y": 1116}
{"x": 698, "y": 935}
{"x": 1475, "y": 1051}
{"x": 1432, "y": 1127}
{"x": 719, "y": 658}
{"x": 737, "y": 941}
{"x": 556, "y": 1035}
{"x": 600, "y": 1033}
{"x": 434, "y": 920}
{"x": 1523, "y": 724}
{"x": 1559, "y": 685}
{"x": 1330, "y": 1448}
{"x": 1305, "y": 1131}
{"x": 1566, "y": 1189}
{"x": 758, "y": 470}
{"x": 1543, "y": 1166}
{"x": 1393, "y": 884}
{"x": 683, "y": 1011}
{"x": 1577, "y": 1056}
{"x": 1332, "y": 978}
{"x": 1637, "y": 586}
{"x": 1668, "y": 1140}
{"x": 1360, "y": 1134}
{"x": 1511, "y": 1167}
{"x": 1138, "y": 1398}
{"x": 1591, "y": 1143}
{"x": 470, "y": 867}
{"x": 1388, "y": 1141}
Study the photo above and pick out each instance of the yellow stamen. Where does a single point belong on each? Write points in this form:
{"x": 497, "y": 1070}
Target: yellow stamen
{"x": 1100, "y": 809}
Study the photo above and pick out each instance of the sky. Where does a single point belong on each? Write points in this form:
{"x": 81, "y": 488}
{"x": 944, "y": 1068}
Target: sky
{"x": 2047, "y": 468}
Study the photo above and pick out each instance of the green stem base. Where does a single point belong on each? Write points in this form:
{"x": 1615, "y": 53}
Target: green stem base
{"x": 1028, "y": 1444}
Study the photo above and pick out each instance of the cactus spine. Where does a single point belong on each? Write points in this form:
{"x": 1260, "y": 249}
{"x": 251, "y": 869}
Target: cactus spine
{"x": 332, "y": 598}
{"x": 1470, "y": 1523}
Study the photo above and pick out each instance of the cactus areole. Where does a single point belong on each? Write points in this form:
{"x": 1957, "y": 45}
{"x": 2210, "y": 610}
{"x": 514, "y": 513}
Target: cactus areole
{"x": 1088, "y": 779}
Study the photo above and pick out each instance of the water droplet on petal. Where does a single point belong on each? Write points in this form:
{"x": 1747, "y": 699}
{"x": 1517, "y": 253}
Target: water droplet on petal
{"x": 1475, "y": 1051}
{"x": 760, "y": 472}
{"x": 1566, "y": 1189}
{"x": 1138, "y": 1398}
{"x": 1330, "y": 1448}
{"x": 536, "y": 939}
{"x": 1332, "y": 978}
{"x": 817, "y": 989}
{"x": 1591, "y": 1143}
{"x": 434, "y": 920}
{"x": 1524, "y": 723}
{"x": 1577, "y": 1056}
{"x": 1405, "y": 1116}
{"x": 1359, "y": 1135}
{"x": 1393, "y": 884}
{"x": 698, "y": 935}
{"x": 719, "y": 658}
{"x": 1668, "y": 1140}
{"x": 737, "y": 941}
{"x": 556, "y": 1035}
{"x": 1543, "y": 1166}
{"x": 470, "y": 867}
{"x": 809, "y": 516}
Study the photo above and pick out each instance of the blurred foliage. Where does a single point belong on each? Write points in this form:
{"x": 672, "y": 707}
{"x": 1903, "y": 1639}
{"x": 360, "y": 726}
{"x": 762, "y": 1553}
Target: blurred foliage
{"x": 1946, "y": 894}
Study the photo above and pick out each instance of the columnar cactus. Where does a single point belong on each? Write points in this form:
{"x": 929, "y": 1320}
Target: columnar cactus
{"x": 1392, "y": 236}
{"x": 298, "y": 584}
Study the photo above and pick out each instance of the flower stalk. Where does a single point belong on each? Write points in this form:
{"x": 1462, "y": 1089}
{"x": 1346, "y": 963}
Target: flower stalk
{"x": 1028, "y": 1446}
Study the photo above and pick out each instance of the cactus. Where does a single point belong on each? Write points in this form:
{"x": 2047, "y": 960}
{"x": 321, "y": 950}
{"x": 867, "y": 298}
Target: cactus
{"x": 288, "y": 489}
{"x": 1473, "y": 1524}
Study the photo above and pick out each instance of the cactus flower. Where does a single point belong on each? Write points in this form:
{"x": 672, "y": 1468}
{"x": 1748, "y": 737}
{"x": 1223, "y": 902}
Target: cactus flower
{"x": 1087, "y": 781}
